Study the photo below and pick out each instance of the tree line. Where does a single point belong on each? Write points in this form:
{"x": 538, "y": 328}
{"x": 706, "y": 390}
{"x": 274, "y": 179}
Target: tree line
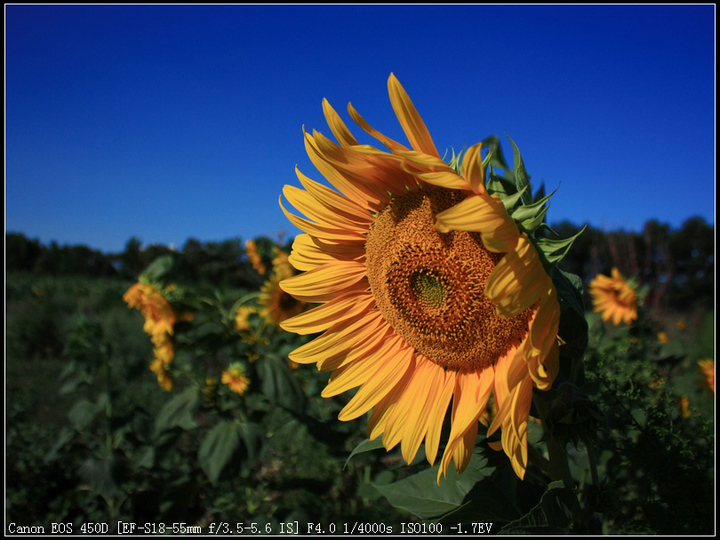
{"x": 677, "y": 266}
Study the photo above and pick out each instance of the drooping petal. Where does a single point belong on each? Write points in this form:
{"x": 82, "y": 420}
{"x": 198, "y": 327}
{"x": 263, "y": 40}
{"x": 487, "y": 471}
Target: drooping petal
{"x": 472, "y": 391}
{"x": 518, "y": 280}
{"x": 484, "y": 214}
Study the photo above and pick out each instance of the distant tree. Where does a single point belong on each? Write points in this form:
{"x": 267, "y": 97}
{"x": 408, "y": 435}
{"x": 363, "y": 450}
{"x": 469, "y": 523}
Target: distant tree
{"x": 21, "y": 254}
{"x": 692, "y": 248}
{"x": 131, "y": 263}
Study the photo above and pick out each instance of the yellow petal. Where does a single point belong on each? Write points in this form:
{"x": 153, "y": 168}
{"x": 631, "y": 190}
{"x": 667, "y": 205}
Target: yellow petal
{"x": 309, "y": 253}
{"x": 392, "y": 145}
{"x": 353, "y": 375}
{"x": 384, "y": 408}
{"x": 323, "y": 317}
{"x": 376, "y": 388}
{"x": 338, "y": 339}
{"x": 411, "y": 122}
{"x": 326, "y": 282}
{"x": 337, "y": 126}
{"x": 336, "y": 178}
{"x": 361, "y": 343}
{"x": 318, "y": 212}
{"x": 337, "y": 202}
{"x": 518, "y": 280}
{"x": 437, "y": 416}
{"x": 472, "y": 169}
{"x": 429, "y": 391}
{"x": 472, "y": 391}
{"x": 484, "y": 214}
{"x": 324, "y": 233}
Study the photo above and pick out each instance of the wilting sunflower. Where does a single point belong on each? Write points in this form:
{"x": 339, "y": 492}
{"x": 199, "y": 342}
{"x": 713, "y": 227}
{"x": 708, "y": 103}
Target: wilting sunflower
{"x": 160, "y": 320}
{"x": 614, "y": 298}
{"x": 429, "y": 291}
{"x": 234, "y": 377}
{"x": 707, "y": 368}
{"x": 683, "y": 405}
{"x": 254, "y": 256}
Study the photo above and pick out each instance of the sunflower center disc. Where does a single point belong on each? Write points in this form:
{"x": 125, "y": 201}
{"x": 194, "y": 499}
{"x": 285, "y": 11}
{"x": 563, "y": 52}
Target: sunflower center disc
{"x": 430, "y": 287}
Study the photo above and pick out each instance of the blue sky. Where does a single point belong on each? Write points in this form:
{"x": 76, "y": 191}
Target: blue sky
{"x": 170, "y": 122}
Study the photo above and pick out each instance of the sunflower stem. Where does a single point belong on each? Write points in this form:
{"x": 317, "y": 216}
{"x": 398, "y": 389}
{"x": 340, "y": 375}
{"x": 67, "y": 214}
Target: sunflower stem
{"x": 557, "y": 464}
{"x": 538, "y": 459}
{"x": 559, "y": 467}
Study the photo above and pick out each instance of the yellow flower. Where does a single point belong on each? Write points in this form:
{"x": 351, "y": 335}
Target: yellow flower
{"x": 160, "y": 320}
{"x": 159, "y": 315}
{"x": 241, "y": 317}
{"x": 707, "y": 368}
{"x": 614, "y": 298}
{"x": 682, "y": 325}
{"x": 429, "y": 291}
{"x": 663, "y": 338}
{"x": 164, "y": 351}
{"x": 210, "y": 391}
{"x": 683, "y": 404}
{"x": 254, "y": 256}
{"x": 159, "y": 367}
{"x": 234, "y": 377}
{"x": 275, "y": 304}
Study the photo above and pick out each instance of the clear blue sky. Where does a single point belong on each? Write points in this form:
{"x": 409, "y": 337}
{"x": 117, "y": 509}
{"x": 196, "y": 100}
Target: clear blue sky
{"x": 170, "y": 122}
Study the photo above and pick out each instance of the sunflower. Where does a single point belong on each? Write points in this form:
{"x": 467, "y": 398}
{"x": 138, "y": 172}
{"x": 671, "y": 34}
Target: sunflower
{"x": 429, "y": 291}
{"x": 160, "y": 320}
{"x": 242, "y": 315}
{"x": 614, "y": 298}
{"x": 163, "y": 355}
{"x": 275, "y": 305}
{"x": 707, "y": 368}
{"x": 254, "y": 256}
{"x": 234, "y": 377}
{"x": 683, "y": 405}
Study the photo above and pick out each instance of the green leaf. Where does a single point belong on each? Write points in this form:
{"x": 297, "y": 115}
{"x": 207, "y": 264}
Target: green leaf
{"x": 179, "y": 411}
{"x": 98, "y": 474}
{"x": 549, "y": 248}
{"x": 499, "y": 185}
{"x": 570, "y": 290}
{"x": 522, "y": 180}
{"x": 84, "y": 412}
{"x": 218, "y": 448}
{"x": 252, "y": 436}
{"x": 492, "y": 499}
{"x": 157, "y": 269}
{"x": 422, "y": 496}
{"x": 555, "y": 513}
{"x": 279, "y": 384}
{"x": 66, "y": 435}
{"x": 509, "y": 201}
{"x": 366, "y": 446}
{"x": 497, "y": 159}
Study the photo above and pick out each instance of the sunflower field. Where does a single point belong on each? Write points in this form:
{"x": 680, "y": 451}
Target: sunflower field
{"x": 428, "y": 357}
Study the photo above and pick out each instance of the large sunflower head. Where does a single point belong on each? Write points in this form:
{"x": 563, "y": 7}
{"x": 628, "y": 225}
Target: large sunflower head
{"x": 430, "y": 293}
{"x": 614, "y": 298}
